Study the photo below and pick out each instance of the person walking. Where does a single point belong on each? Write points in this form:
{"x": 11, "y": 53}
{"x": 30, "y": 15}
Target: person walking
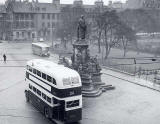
{"x": 4, "y": 58}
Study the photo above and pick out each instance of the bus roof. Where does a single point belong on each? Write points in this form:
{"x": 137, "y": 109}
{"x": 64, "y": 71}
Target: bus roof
{"x": 40, "y": 44}
{"x": 58, "y": 72}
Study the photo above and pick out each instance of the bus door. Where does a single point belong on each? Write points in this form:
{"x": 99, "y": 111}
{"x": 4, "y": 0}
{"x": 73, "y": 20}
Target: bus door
{"x": 59, "y": 109}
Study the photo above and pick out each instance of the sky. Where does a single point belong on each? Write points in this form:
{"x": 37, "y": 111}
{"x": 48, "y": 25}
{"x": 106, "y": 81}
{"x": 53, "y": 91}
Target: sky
{"x": 71, "y": 1}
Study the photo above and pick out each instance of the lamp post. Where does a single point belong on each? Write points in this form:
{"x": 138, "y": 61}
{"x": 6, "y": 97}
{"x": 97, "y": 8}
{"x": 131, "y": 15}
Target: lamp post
{"x": 135, "y": 66}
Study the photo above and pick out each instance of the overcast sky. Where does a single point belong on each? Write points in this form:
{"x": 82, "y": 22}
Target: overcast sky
{"x": 71, "y": 1}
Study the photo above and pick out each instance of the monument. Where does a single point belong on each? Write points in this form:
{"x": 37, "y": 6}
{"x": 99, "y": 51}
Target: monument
{"x": 87, "y": 66}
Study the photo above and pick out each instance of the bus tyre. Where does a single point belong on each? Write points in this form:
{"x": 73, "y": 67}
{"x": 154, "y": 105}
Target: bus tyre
{"x": 46, "y": 112}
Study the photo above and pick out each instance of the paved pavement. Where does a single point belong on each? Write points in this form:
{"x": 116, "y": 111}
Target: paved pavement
{"x": 132, "y": 79}
{"x": 127, "y": 104}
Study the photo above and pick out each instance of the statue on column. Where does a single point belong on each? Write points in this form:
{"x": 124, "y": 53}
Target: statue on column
{"x": 82, "y": 28}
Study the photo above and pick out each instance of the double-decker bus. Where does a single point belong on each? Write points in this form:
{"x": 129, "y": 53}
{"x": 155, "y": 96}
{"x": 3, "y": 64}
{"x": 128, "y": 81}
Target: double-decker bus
{"x": 55, "y": 90}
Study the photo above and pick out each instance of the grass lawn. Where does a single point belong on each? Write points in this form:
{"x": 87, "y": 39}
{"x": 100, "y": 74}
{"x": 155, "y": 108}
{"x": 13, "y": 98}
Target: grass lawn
{"x": 117, "y": 63}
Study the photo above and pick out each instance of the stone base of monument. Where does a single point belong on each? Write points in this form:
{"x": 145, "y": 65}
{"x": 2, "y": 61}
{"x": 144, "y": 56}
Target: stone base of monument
{"x": 96, "y": 90}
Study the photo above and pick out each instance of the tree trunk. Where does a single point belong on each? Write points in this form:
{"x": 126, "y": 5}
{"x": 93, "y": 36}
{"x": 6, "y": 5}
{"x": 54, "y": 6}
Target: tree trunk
{"x": 124, "y": 52}
{"x": 106, "y": 44}
{"x": 99, "y": 41}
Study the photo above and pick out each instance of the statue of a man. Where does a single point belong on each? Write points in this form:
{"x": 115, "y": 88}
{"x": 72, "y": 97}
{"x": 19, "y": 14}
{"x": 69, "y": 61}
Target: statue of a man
{"x": 82, "y": 28}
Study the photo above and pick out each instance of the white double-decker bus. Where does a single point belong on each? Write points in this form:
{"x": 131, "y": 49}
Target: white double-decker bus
{"x": 55, "y": 90}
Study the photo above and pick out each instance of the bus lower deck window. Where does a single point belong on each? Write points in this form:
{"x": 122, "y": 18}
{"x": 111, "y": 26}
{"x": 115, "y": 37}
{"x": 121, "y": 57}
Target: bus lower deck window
{"x": 39, "y": 92}
{"x": 34, "y": 89}
{"x": 30, "y": 86}
{"x": 55, "y": 101}
{"x": 44, "y": 96}
{"x": 34, "y": 71}
{"x": 49, "y": 99}
{"x": 49, "y": 78}
{"x": 44, "y": 76}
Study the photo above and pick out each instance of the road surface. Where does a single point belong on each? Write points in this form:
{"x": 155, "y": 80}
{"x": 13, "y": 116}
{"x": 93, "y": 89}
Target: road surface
{"x": 127, "y": 104}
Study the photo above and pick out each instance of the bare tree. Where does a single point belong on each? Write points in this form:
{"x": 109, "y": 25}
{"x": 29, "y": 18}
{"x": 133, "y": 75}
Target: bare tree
{"x": 126, "y": 35}
{"x": 110, "y": 30}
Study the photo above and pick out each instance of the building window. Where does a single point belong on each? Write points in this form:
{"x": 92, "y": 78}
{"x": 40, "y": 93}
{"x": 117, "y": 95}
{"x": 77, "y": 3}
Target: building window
{"x": 32, "y": 16}
{"x": 37, "y": 8}
{"x": 17, "y": 24}
{"x": 48, "y": 24}
{"x": 48, "y": 16}
{"x": 32, "y": 24}
{"x": 43, "y": 24}
{"x": 22, "y": 34}
{"x": 17, "y": 34}
{"x": 44, "y": 33}
{"x": 26, "y": 16}
{"x": 58, "y": 16}
{"x": 43, "y": 16}
{"x": 29, "y": 34}
{"x": 33, "y": 35}
{"x": 48, "y": 33}
{"x": 43, "y": 9}
{"x": 53, "y": 24}
{"x": 27, "y": 24}
{"x": 53, "y": 16}
{"x": 22, "y": 24}
{"x": 17, "y": 17}
{"x": 22, "y": 16}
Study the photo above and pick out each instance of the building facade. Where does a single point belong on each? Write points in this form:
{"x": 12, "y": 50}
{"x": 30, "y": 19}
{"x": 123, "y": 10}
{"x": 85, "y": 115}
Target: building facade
{"x": 136, "y": 4}
{"x": 2, "y": 22}
{"x": 31, "y": 20}
{"x": 25, "y": 20}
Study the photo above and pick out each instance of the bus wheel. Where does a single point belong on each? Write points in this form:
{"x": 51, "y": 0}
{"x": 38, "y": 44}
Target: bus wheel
{"x": 46, "y": 112}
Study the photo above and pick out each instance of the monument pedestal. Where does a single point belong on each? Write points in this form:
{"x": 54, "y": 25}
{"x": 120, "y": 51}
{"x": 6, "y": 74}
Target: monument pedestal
{"x": 89, "y": 70}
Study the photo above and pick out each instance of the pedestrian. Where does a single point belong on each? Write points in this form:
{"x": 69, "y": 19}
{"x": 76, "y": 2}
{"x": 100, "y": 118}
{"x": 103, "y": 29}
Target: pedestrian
{"x": 4, "y": 58}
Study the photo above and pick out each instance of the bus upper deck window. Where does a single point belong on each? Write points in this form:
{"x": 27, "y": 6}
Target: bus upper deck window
{"x": 53, "y": 81}
{"x": 49, "y": 99}
{"x": 30, "y": 69}
{"x": 38, "y": 73}
{"x": 44, "y": 76}
{"x": 27, "y": 67}
{"x": 44, "y": 96}
{"x": 34, "y": 71}
{"x": 49, "y": 78}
